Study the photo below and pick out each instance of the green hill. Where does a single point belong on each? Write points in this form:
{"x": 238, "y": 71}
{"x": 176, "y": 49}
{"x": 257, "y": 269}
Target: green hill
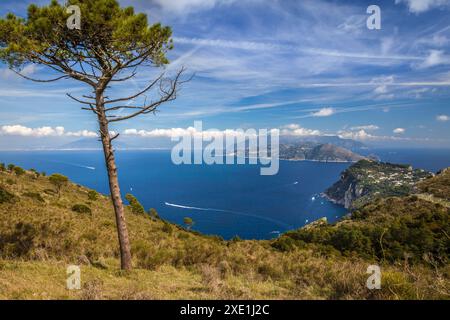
{"x": 42, "y": 232}
{"x": 317, "y": 152}
{"x": 368, "y": 180}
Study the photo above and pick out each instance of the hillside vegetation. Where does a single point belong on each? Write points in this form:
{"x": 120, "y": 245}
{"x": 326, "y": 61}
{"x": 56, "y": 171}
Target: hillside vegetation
{"x": 317, "y": 152}
{"x": 368, "y": 180}
{"x": 44, "y": 227}
{"x": 438, "y": 186}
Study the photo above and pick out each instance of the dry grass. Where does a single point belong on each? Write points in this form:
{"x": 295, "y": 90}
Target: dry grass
{"x": 38, "y": 240}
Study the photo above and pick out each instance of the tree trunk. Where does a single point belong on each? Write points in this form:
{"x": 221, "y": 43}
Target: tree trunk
{"x": 122, "y": 231}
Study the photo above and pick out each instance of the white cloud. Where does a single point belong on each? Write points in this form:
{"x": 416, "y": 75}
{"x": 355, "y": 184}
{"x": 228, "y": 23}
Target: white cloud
{"x": 186, "y": 6}
{"x": 220, "y": 43}
{"x": 381, "y": 89}
{"x": 356, "y": 135}
{"x": 443, "y": 118}
{"x": 82, "y": 133}
{"x": 383, "y": 80}
{"x": 290, "y": 130}
{"x": 19, "y": 130}
{"x": 419, "y": 6}
{"x": 386, "y": 97}
{"x": 435, "y": 40}
{"x": 353, "y": 24}
{"x": 324, "y": 112}
{"x": 363, "y": 135}
{"x": 399, "y": 130}
{"x": 28, "y": 71}
{"x": 434, "y": 58}
{"x": 297, "y": 130}
{"x": 369, "y": 127}
{"x": 382, "y": 85}
{"x": 179, "y": 132}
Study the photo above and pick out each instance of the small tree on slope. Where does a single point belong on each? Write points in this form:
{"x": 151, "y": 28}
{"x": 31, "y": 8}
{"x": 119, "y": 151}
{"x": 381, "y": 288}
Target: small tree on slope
{"x": 108, "y": 49}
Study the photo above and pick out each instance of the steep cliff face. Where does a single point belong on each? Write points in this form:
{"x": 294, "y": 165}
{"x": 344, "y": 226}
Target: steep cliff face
{"x": 366, "y": 180}
{"x": 346, "y": 190}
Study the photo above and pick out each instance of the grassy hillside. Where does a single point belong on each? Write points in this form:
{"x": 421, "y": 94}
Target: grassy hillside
{"x": 42, "y": 232}
{"x": 438, "y": 186}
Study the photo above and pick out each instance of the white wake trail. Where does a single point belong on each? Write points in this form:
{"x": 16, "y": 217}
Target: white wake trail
{"x": 287, "y": 226}
{"x": 74, "y": 165}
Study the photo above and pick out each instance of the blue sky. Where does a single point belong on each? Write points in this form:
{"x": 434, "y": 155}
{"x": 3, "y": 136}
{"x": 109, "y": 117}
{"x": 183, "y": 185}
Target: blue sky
{"x": 307, "y": 67}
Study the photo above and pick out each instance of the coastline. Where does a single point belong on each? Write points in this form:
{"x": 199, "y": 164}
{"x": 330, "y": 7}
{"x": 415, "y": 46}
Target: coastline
{"x": 324, "y": 195}
{"x": 324, "y": 161}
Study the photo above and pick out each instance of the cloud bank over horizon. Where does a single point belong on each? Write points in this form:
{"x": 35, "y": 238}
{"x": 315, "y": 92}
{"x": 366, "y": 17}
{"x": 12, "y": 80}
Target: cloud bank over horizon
{"x": 268, "y": 64}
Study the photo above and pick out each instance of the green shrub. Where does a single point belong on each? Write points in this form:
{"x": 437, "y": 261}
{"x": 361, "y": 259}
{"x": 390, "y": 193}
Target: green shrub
{"x": 2, "y": 167}
{"x": 167, "y": 228}
{"x": 58, "y": 180}
{"x": 18, "y": 242}
{"x": 136, "y": 206}
{"x": 6, "y": 196}
{"x": 270, "y": 271}
{"x": 285, "y": 244}
{"x": 188, "y": 222}
{"x": 439, "y": 185}
{"x": 81, "y": 208}
{"x": 92, "y": 195}
{"x": 11, "y": 167}
{"x": 36, "y": 173}
{"x": 34, "y": 195}
{"x": 153, "y": 214}
{"x": 149, "y": 258}
{"x": 388, "y": 229}
{"x": 236, "y": 239}
{"x": 19, "y": 171}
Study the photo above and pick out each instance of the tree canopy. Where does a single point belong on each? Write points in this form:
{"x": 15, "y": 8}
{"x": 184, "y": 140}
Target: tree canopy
{"x": 109, "y": 47}
{"x": 111, "y": 38}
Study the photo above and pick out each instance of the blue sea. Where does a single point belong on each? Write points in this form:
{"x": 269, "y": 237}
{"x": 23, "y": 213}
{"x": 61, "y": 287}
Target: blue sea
{"x": 225, "y": 200}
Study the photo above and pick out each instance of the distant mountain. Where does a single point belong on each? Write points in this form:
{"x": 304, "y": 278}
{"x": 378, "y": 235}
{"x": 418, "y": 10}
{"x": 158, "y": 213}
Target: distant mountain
{"x": 124, "y": 142}
{"x": 317, "y": 152}
{"x": 90, "y": 144}
{"x": 349, "y": 144}
{"x": 87, "y": 143}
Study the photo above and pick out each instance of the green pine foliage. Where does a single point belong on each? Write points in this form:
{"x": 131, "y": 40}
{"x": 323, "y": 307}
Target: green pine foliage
{"x": 136, "y": 206}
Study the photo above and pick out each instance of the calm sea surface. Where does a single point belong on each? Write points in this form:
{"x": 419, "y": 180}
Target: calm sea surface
{"x": 226, "y": 200}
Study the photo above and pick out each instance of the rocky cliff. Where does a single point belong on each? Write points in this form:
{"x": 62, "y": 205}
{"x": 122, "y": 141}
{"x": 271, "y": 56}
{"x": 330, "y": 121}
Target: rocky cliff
{"x": 366, "y": 180}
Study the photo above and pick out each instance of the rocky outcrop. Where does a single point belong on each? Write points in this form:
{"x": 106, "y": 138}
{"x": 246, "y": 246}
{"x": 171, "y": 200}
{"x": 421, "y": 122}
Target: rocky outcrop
{"x": 320, "y": 222}
{"x": 367, "y": 179}
{"x": 346, "y": 190}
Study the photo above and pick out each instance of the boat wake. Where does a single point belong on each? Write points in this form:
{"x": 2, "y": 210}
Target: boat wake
{"x": 287, "y": 226}
{"x": 75, "y": 165}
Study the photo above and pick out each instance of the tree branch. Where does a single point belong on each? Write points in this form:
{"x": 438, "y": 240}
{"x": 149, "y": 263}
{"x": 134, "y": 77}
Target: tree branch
{"x": 137, "y": 94}
{"x": 38, "y": 80}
